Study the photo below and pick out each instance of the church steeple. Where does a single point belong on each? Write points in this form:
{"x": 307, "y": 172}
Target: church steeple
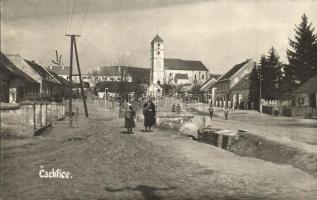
{"x": 157, "y": 60}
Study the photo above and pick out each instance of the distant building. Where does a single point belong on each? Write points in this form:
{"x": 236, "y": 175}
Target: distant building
{"x": 168, "y": 70}
{"x": 15, "y": 84}
{"x": 225, "y": 89}
{"x": 126, "y": 73}
{"x": 306, "y": 94}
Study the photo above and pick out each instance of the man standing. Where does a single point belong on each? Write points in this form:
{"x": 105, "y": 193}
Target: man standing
{"x": 211, "y": 111}
{"x": 149, "y": 113}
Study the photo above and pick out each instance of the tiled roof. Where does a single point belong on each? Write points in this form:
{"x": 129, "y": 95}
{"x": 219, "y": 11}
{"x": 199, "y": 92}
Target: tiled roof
{"x": 60, "y": 79}
{"x": 59, "y": 70}
{"x": 179, "y": 64}
{"x": 157, "y": 38}
{"x": 309, "y": 87}
{"x": 207, "y": 84}
{"x": 181, "y": 76}
{"x": 39, "y": 69}
{"x": 9, "y": 66}
{"x": 117, "y": 70}
{"x": 233, "y": 70}
{"x": 243, "y": 84}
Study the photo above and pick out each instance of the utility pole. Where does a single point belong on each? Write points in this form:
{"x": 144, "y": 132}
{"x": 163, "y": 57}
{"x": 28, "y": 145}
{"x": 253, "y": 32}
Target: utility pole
{"x": 260, "y": 103}
{"x": 74, "y": 46}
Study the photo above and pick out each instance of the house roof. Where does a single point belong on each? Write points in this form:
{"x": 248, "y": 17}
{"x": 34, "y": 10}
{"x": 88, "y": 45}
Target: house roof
{"x": 38, "y": 68}
{"x": 186, "y": 87}
{"x": 207, "y": 84}
{"x": 5, "y": 63}
{"x": 233, "y": 70}
{"x": 60, "y": 79}
{"x": 59, "y": 70}
{"x": 157, "y": 38}
{"x": 243, "y": 84}
{"x": 116, "y": 70}
{"x": 181, "y": 76}
{"x": 309, "y": 87}
{"x": 179, "y": 64}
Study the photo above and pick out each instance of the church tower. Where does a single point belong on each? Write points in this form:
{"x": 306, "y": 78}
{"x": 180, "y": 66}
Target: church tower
{"x": 157, "y": 60}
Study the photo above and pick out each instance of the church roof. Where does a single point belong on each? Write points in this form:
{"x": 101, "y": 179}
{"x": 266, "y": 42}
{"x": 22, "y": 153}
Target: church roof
{"x": 179, "y": 64}
{"x": 157, "y": 38}
{"x": 309, "y": 87}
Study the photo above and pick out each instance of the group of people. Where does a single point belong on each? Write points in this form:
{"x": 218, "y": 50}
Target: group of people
{"x": 225, "y": 112}
{"x": 149, "y": 112}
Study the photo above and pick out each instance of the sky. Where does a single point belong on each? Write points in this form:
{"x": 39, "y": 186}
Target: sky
{"x": 220, "y": 33}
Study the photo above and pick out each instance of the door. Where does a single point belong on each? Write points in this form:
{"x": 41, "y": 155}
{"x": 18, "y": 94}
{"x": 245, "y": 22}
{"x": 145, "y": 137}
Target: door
{"x": 312, "y": 100}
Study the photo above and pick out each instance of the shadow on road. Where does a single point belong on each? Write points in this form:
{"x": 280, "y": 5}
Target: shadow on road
{"x": 148, "y": 192}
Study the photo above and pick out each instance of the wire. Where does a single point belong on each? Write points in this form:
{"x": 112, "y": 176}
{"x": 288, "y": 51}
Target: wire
{"x": 66, "y": 26}
{"x": 71, "y": 20}
{"x": 85, "y": 16}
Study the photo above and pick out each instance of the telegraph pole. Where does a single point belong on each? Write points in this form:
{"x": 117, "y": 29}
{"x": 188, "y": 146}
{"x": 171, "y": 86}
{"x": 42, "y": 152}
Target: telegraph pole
{"x": 72, "y": 46}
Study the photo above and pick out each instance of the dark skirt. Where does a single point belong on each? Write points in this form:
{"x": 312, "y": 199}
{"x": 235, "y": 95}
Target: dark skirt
{"x": 129, "y": 123}
{"x": 149, "y": 119}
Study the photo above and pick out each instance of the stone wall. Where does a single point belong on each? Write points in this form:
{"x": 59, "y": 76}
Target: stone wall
{"x": 26, "y": 120}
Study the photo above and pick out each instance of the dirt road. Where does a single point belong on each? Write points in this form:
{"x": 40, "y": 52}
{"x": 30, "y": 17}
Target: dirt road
{"x": 105, "y": 163}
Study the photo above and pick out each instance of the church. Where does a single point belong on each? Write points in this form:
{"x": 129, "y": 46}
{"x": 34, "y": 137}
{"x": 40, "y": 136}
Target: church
{"x": 173, "y": 71}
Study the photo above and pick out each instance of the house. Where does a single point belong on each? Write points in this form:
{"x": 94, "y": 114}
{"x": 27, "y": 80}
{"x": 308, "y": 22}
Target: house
{"x": 181, "y": 79}
{"x": 226, "y": 83}
{"x": 63, "y": 86}
{"x": 240, "y": 93}
{"x": 306, "y": 94}
{"x": 49, "y": 85}
{"x": 127, "y": 73}
{"x": 207, "y": 89}
{"x": 16, "y": 85}
{"x": 164, "y": 70}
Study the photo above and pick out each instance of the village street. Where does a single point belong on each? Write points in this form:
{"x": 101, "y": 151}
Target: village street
{"x": 105, "y": 163}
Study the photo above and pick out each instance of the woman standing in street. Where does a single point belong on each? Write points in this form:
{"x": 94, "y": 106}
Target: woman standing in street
{"x": 129, "y": 118}
{"x": 149, "y": 113}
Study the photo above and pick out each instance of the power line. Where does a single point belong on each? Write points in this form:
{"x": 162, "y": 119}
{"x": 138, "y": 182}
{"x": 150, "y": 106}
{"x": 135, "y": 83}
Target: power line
{"x": 85, "y": 15}
{"x": 66, "y": 26}
{"x": 72, "y": 16}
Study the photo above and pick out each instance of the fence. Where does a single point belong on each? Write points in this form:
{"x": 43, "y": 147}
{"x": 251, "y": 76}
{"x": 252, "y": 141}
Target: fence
{"x": 27, "y": 120}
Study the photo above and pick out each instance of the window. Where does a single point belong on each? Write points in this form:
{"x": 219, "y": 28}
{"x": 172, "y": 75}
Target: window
{"x": 202, "y": 77}
{"x": 195, "y": 76}
{"x": 158, "y": 45}
{"x": 158, "y": 52}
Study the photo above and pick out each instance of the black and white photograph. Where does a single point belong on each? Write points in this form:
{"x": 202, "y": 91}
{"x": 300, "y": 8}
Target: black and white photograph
{"x": 158, "y": 100}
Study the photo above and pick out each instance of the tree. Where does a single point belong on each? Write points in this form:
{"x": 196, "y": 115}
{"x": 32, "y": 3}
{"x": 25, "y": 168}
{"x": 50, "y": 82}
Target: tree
{"x": 254, "y": 88}
{"x": 271, "y": 75}
{"x": 302, "y": 56}
{"x": 274, "y": 73}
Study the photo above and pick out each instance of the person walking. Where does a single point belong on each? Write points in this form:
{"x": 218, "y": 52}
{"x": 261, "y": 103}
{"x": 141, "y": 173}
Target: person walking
{"x": 178, "y": 108}
{"x": 211, "y": 111}
{"x": 149, "y": 113}
{"x": 129, "y": 118}
{"x": 226, "y": 113}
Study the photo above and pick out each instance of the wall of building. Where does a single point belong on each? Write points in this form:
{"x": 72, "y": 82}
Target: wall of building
{"x": 25, "y": 120}
{"x": 201, "y": 76}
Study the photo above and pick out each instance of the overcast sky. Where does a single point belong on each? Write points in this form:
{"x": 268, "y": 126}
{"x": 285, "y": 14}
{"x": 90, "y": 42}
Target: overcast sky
{"x": 220, "y": 33}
